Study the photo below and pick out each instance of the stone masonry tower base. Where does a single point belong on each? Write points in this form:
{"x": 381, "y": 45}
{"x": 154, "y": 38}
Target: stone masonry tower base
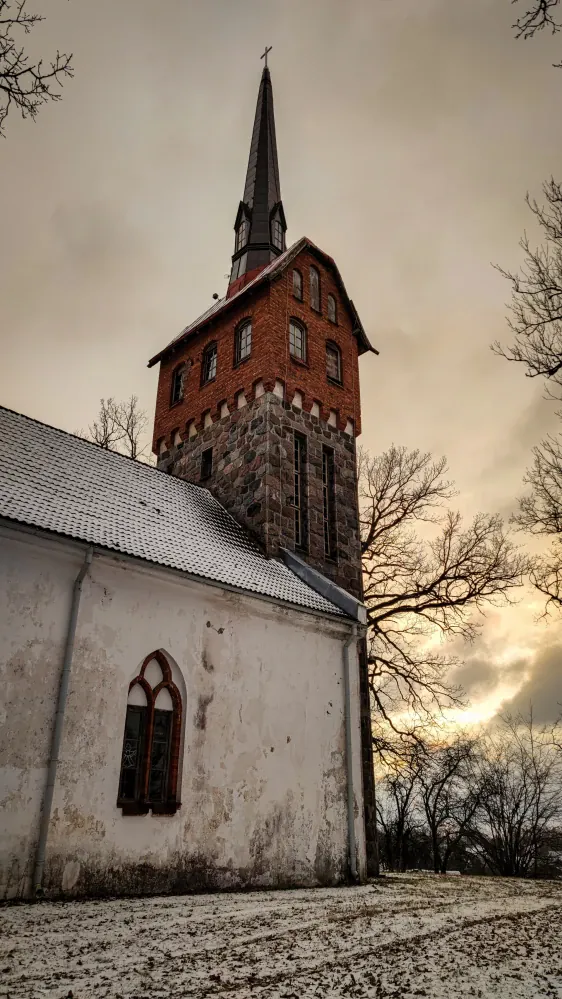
{"x": 252, "y": 475}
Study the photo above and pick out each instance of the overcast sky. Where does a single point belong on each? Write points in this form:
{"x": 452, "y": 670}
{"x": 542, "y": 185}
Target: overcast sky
{"x": 408, "y": 133}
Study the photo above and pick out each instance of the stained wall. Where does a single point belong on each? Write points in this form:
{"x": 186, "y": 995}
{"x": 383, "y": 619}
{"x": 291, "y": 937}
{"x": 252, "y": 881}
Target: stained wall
{"x": 263, "y": 775}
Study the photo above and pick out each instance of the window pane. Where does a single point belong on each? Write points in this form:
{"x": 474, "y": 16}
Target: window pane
{"x": 297, "y": 345}
{"x": 207, "y": 463}
{"x": 131, "y": 761}
{"x": 328, "y": 498}
{"x": 297, "y": 284}
{"x": 242, "y": 234}
{"x": 177, "y": 385}
{"x": 299, "y": 500}
{"x": 244, "y": 342}
{"x": 333, "y": 366}
{"x": 210, "y": 363}
{"x": 314, "y": 288}
{"x": 159, "y": 755}
{"x": 331, "y": 308}
{"x": 277, "y": 234}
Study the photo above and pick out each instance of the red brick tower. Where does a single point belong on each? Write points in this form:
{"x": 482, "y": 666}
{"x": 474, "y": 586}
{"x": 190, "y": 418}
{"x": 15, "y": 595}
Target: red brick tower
{"x": 258, "y": 399}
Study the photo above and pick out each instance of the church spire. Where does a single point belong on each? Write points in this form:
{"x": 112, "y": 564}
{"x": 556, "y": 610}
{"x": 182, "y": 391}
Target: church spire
{"x": 260, "y": 221}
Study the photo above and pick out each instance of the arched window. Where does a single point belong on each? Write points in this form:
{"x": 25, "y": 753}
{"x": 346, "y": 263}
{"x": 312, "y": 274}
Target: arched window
{"x": 333, "y": 362}
{"x": 277, "y": 234}
{"x": 242, "y": 234}
{"x": 297, "y": 340}
{"x": 151, "y": 743}
{"x": 314, "y": 289}
{"x": 243, "y": 341}
{"x": 332, "y": 309}
{"x": 297, "y": 285}
{"x": 178, "y": 376}
{"x": 209, "y": 365}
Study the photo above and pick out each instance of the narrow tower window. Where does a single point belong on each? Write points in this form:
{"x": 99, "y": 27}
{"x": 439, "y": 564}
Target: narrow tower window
{"x": 333, "y": 363}
{"x": 209, "y": 366}
{"x": 299, "y": 498}
{"x": 207, "y": 463}
{"x": 277, "y": 234}
{"x": 177, "y": 384}
{"x": 297, "y": 340}
{"x": 297, "y": 285}
{"x": 243, "y": 342}
{"x": 332, "y": 309}
{"x": 329, "y": 502}
{"x": 314, "y": 289}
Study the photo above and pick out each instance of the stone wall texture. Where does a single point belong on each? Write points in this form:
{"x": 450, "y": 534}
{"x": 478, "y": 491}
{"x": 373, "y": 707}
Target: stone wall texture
{"x": 253, "y": 478}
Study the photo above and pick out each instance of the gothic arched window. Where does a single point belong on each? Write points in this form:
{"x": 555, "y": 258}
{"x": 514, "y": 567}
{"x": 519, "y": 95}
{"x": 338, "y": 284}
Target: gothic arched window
{"x": 209, "y": 365}
{"x": 242, "y": 234}
{"x": 333, "y": 362}
{"x": 297, "y": 285}
{"x": 243, "y": 341}
{"x": 332, "y": 309}
{"x": 151, "y": 742}
{"x": 297, "y": 340}
{"x": 314, "y": 289}
{"x": 178, "y": 376}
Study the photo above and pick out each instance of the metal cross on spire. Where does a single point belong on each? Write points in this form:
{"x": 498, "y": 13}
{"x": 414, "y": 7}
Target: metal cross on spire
{"x": 264, "y": 56}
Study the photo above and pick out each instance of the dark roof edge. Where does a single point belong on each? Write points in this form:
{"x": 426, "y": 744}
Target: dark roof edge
{"x": 324, "y": 586}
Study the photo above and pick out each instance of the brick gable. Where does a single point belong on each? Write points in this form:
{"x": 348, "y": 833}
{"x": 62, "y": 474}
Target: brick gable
{"x": 270, "y": 306}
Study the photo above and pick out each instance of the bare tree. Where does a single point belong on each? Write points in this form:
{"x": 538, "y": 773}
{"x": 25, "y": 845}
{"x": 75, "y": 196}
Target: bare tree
{"x": 536, "y": 296}
{"x": 132, "y": 422}
{"x": 419, "y": 587}
{"x": 120, "y": 427}
{"x": 449, "y": 796}
{"x": 536, "y": 322}
{"x": 396, "y": 804}
{"x": 519, "y": 796}
{"x": 23, "y": 84}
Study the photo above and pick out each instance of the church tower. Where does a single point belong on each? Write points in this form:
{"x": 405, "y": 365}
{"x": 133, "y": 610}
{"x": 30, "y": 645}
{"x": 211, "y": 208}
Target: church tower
{"x": 258, "y": 399}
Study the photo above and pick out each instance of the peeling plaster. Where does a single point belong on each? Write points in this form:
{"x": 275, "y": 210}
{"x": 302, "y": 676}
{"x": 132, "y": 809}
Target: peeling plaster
{"x": 263, "y": 781}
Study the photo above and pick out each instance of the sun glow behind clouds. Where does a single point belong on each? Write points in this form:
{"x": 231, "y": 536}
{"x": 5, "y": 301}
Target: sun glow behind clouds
{"x": 483, "y": 708}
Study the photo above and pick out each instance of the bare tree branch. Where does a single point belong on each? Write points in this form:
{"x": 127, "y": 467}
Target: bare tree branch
{"x": 536, "y": 297}
{"x": 419, "y": 587}
{"x": 24, "y": 84}
{"x": 519, "y": 795}
{"x": 120, "y": 427}
{"x": 536, "y": 18}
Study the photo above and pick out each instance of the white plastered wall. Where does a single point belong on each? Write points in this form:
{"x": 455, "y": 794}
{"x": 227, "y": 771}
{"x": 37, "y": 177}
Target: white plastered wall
{"x": 263, "y": 775}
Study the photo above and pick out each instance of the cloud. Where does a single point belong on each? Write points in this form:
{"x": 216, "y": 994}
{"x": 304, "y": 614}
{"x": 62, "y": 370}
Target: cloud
{"x": 542, "y": 688}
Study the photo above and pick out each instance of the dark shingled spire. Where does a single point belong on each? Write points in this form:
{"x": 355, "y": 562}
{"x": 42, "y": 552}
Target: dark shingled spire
{"x": 260, "y": 221}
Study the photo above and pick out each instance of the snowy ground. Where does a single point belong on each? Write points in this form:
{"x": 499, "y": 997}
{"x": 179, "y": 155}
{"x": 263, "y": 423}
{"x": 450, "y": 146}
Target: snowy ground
{"x": 405, "y": 936}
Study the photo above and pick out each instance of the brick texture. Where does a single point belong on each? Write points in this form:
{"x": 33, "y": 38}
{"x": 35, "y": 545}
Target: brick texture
{"x": 270, "y": 306}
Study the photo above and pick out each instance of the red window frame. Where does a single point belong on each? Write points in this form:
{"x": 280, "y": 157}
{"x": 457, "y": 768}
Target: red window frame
{"x": 142, "y": 803}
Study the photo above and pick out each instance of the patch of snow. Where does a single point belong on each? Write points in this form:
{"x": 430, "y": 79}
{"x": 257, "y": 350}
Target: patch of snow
{"x": 401, "y": 936}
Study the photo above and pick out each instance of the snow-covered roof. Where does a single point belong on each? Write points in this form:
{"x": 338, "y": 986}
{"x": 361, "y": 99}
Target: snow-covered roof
{"x": 275, "y": 268}
{"x": 54, "y": 481}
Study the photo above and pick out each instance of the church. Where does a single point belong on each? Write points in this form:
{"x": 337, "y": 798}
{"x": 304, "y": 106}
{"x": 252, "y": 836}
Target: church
{"x": 185, "y": 692}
